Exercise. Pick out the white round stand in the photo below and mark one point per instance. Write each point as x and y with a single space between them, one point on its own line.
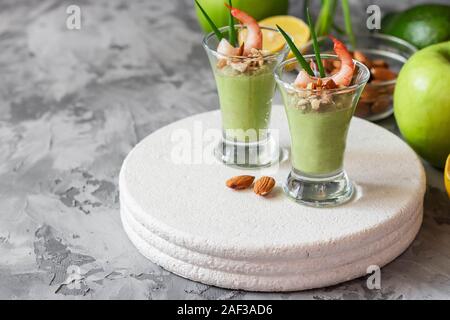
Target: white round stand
178 212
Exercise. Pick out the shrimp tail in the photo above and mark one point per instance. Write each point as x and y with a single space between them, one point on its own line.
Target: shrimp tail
342 78
345 74
254 35
340 49
231 8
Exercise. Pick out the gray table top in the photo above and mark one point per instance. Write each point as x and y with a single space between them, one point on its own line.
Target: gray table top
74 102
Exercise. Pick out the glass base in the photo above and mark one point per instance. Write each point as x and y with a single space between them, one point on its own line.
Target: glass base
263 153
319 191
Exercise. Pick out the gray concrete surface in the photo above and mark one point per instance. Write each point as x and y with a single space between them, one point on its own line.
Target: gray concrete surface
73 103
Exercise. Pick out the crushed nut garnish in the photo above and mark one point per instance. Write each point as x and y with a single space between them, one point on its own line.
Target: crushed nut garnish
221 63
252 62
315 104
239 66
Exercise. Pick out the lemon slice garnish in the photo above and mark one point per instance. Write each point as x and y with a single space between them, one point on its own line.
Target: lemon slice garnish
274 41
294 26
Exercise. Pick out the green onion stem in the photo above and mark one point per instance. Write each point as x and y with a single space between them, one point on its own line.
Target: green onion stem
296 52
232 38
305 5
326 17
348 23
211 23
315 45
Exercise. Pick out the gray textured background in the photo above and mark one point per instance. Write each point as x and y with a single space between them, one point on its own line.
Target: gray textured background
73 104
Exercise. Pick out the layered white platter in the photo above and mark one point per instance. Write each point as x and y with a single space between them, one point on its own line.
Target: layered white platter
177 211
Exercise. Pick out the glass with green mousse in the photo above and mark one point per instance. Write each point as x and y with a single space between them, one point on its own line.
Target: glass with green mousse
246 86
319 119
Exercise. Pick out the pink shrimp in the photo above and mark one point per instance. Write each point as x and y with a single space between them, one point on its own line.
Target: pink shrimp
226 49
254 35
345 74
343 77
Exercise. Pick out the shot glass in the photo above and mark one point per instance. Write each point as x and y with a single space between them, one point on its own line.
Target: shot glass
319 120
246 87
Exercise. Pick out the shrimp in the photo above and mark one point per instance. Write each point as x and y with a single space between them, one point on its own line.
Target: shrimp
254 35
226 49
345 74
343 77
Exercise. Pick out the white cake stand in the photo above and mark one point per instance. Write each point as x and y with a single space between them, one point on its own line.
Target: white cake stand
182 217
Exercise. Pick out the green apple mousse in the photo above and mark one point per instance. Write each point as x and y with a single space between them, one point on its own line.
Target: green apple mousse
245 95
318 128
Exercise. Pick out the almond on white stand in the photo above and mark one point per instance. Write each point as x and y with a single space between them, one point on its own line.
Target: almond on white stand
264 185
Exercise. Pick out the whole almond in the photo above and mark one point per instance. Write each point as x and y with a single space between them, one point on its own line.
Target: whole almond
381 105
264 185
361 57
363 109
380 63
240 182
369 94
383 74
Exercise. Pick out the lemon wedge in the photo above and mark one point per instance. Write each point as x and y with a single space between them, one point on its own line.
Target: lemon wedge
447 175
274 41
294 26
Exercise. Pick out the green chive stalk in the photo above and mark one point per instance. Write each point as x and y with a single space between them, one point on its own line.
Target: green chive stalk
296 52
315 45
348 22
326 17
216 30
305 5
232 37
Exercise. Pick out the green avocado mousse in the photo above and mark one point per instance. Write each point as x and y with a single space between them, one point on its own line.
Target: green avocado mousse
244 74
318 136
245 99
319 109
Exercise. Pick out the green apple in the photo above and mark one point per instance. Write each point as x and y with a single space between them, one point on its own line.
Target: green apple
258 9
422 103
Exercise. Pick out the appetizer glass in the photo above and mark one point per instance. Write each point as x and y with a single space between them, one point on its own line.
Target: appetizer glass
319 120
246 87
